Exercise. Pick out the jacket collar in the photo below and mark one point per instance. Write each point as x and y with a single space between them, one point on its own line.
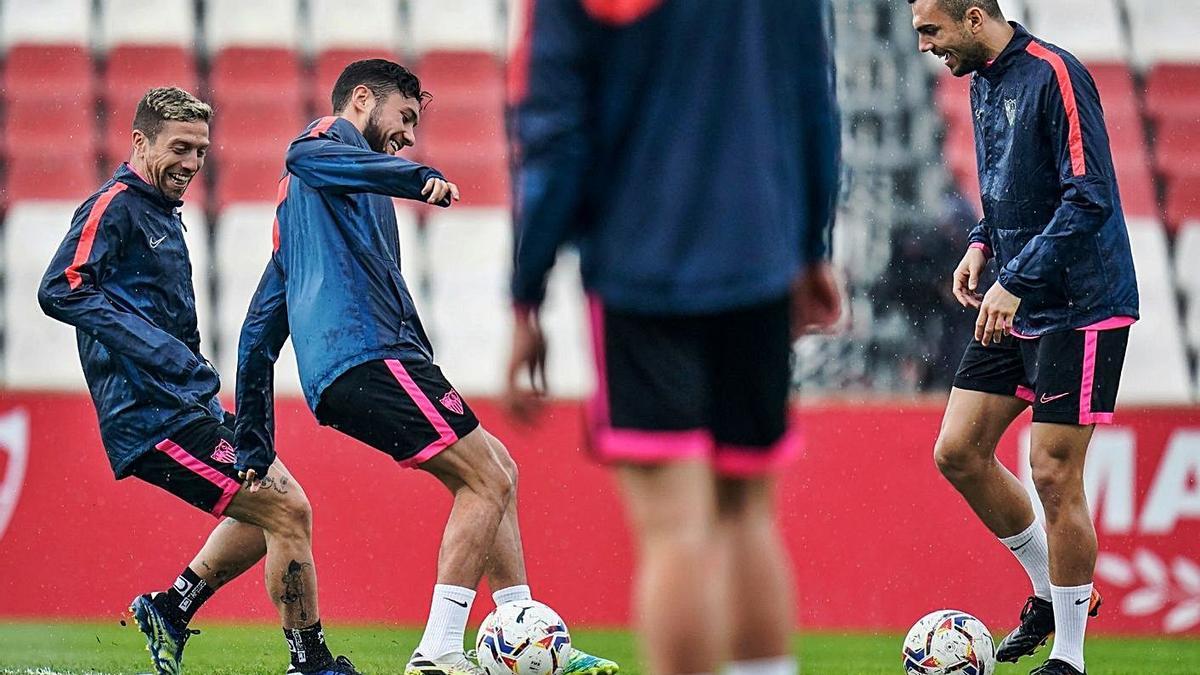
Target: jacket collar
1020 40
126 174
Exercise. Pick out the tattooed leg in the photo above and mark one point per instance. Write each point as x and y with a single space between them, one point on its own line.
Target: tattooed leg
232 548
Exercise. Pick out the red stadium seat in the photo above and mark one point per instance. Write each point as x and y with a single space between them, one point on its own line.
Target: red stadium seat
58 174
463 78
1177 147
255 75
1136 186
480 126
953 97
1173 91
245 129
482 178
247 179
36 127
329 65
1183 200
48 73
131 70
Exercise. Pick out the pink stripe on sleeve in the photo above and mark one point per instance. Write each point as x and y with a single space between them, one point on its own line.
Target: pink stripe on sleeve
229 486
83 250
1074 130
446 435
322 126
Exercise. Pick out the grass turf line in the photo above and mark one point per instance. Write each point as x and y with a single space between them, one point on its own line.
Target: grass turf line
228 649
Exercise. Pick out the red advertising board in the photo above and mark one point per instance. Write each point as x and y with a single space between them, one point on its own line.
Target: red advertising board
877 537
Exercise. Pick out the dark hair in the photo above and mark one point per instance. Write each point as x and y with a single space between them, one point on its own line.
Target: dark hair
382 77
957 9
162 104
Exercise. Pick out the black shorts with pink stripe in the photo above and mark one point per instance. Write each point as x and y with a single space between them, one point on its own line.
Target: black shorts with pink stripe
194 464
713 386
1069 377
404 407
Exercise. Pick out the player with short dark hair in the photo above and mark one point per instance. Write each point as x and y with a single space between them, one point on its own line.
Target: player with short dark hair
690 149
1051 332
123 278
366 366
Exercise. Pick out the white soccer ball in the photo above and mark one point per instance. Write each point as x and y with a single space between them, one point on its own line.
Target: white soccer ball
523 638
948 641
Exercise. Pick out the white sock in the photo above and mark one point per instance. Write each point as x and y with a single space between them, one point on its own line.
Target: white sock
512 594
1071 605
447 621
1033 553
776 665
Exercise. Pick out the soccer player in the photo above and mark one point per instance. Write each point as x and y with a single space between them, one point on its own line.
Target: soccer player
366 365
690 149
1065 290
122 277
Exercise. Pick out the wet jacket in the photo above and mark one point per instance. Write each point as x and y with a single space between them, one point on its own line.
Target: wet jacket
333 283
1051 210
688 147
123 278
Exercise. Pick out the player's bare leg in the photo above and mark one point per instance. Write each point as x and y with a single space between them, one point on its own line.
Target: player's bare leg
232 548
966 455
506 561
673 511
1057 457
758 593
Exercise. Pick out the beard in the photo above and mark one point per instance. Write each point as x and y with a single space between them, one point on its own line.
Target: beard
971 57
374 133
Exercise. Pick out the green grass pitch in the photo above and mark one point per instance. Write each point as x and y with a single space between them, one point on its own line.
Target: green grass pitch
47 648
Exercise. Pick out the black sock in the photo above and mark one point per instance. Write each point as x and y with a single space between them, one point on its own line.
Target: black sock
180 602
307 647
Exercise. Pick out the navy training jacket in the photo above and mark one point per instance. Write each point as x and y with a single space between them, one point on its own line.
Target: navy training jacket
689 147
1051 209
123 278
333 282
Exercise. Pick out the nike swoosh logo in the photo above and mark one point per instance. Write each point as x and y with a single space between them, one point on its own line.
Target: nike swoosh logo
1082 600
1047 399
155 242
1023 545
460 604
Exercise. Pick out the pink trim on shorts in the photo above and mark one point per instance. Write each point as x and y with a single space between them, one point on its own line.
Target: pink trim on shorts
633 445
1111 323
1025 393
446 436
743 461
229 486
1089 378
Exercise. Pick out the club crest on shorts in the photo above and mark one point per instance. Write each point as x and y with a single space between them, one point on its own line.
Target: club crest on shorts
1010 110
224 452
452 402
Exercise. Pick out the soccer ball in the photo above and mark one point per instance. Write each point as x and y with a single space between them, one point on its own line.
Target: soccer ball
523 638
948 641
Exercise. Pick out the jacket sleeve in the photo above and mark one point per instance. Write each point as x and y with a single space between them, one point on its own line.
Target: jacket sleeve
547 124
981 237
333 166
1075 131
71 292
823 155
264 333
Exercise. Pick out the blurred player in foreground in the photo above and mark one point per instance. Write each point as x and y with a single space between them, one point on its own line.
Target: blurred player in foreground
334 285
1066 291
123 278
690 149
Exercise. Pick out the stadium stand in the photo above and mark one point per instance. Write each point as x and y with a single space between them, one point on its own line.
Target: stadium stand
1100 38
1156 364
1163 31
455 25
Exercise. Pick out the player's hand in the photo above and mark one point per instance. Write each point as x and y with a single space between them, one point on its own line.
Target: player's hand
816 300
249 479
439 191
966 278
528 358
996 314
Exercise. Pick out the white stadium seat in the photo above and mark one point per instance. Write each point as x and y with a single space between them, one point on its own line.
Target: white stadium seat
262 23
456 25
196 235
1156 368
414 259
362 24
569 369
40 352
1100 37
148 22
1164 31
1187 256
1015 10
243 248
57 22
469 317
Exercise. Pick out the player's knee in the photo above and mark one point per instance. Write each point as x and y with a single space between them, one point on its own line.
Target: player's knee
956 459
1054 479
292 515
508 465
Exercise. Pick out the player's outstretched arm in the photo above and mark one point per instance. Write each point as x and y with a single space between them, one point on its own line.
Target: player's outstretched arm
330 165
264 333
69 293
